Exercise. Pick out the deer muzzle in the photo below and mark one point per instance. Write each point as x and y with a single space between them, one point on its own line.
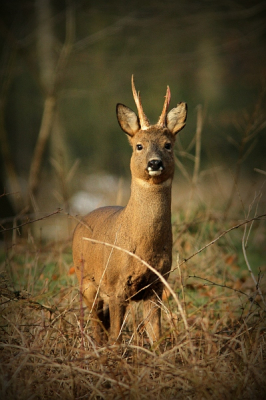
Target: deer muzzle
155 167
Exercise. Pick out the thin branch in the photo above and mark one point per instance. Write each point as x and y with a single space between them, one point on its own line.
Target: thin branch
260 171
249 267
45 129
198 145
211 283
105 32
258 218
58 211
182 169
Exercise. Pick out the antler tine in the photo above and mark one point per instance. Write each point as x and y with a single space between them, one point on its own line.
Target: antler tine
144 122
162 118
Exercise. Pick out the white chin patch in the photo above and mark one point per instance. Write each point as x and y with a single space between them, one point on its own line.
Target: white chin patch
155 173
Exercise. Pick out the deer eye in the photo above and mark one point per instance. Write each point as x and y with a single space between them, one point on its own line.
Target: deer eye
167 146
139 147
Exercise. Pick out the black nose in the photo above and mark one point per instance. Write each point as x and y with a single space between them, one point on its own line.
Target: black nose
155 165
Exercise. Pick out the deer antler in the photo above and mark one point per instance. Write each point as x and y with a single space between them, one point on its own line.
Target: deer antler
144 122
161 122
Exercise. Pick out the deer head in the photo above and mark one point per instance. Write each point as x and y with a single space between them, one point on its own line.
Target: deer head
152 159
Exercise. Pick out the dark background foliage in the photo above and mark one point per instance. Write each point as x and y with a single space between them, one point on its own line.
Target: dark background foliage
209 52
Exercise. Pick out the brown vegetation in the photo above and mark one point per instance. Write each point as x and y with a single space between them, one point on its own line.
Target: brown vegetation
46 345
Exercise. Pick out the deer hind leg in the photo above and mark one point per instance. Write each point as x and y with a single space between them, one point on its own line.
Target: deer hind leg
103 316
152 318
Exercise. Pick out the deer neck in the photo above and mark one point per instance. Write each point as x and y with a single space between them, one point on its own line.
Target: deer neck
149 207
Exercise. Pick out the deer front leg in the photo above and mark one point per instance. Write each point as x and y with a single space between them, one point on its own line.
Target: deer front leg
95 306
117 312
152 318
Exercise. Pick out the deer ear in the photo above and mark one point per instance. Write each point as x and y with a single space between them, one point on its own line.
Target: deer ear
176 118
127 119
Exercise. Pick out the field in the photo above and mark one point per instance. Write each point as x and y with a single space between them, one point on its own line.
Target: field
213 344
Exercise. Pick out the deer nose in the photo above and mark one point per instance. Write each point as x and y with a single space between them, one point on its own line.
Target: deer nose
155 165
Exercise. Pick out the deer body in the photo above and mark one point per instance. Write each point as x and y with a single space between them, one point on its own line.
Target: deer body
143 228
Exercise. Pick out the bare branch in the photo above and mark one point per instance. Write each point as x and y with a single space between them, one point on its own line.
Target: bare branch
258 218
211 283
198 145
58 211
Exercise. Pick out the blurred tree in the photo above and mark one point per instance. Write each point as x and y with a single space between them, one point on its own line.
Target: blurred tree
50 74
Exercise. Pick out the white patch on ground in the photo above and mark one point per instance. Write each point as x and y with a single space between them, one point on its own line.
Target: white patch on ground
83 202
98 190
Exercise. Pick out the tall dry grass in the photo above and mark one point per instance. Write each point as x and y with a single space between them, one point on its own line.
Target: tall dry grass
47 350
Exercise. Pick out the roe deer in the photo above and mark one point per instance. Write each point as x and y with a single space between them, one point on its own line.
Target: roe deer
143 227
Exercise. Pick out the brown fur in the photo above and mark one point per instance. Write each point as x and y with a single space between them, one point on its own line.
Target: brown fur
143 227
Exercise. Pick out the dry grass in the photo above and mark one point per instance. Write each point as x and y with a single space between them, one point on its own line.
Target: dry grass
47 351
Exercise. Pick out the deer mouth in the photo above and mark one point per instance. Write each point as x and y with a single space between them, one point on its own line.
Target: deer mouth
155 173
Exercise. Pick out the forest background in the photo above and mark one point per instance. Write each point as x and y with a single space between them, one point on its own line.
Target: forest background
65 65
